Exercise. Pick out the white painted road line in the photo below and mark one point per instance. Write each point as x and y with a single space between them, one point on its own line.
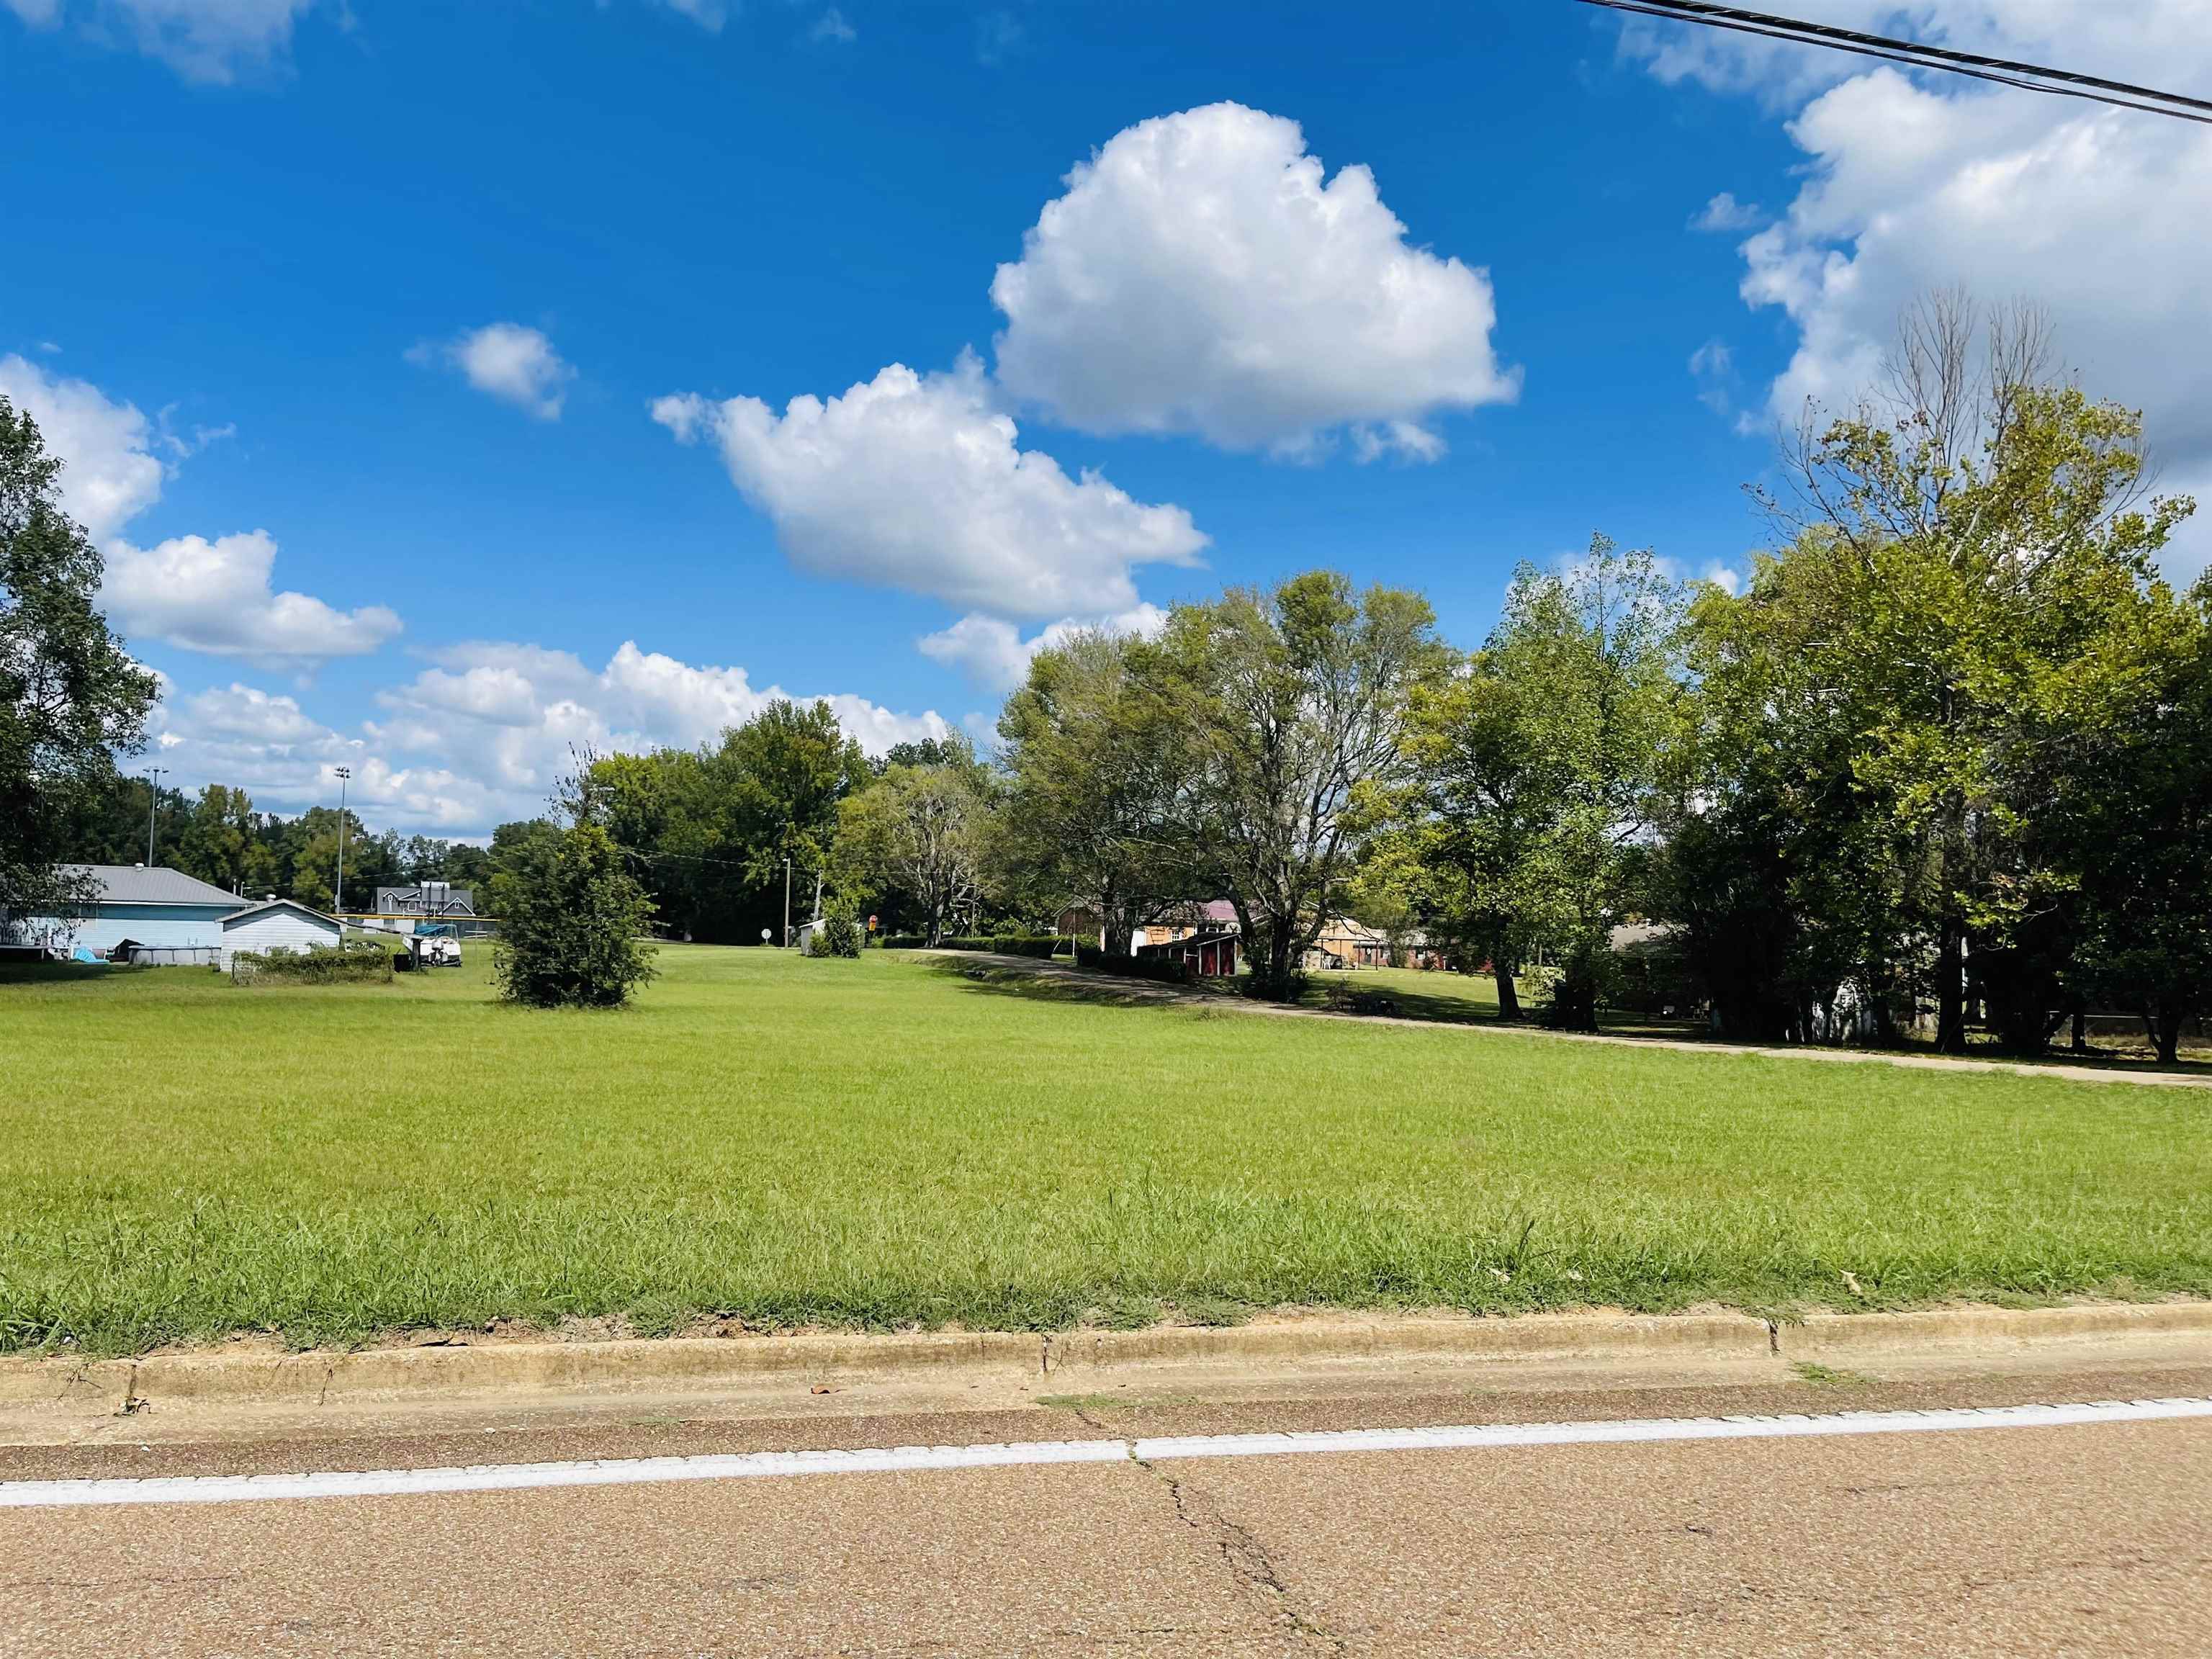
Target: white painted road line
637 1471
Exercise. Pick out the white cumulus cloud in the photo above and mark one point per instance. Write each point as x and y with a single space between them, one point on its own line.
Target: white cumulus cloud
1202 274
216 597
991 651
1916 183
213 596
478 737
506 360
109 471
1724 214
510 717
202 39
916 482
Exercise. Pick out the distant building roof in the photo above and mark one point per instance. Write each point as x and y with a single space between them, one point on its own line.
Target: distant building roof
279 904
134 884
425 902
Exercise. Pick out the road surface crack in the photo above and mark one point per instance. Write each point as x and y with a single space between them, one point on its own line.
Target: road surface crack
1243 1554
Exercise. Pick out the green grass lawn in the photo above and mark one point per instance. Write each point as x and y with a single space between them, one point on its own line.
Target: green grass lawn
889 1142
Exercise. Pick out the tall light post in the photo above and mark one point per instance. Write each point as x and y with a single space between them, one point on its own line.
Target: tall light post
338 901
153 799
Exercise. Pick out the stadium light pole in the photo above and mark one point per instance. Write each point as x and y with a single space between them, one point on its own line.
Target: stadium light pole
153 798
338 901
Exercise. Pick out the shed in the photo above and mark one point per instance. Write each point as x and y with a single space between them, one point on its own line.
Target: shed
277 925
176 917
1208 955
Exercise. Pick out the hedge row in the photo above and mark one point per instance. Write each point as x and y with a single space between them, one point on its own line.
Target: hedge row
356 960
1168 971
1004 945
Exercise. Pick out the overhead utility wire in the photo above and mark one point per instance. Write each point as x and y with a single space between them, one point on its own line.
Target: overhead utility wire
2003 72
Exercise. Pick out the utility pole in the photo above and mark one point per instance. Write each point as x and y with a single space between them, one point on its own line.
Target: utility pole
153 799
787 902
338 902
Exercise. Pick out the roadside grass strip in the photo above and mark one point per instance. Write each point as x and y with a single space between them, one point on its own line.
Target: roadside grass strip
767 1144
755 1466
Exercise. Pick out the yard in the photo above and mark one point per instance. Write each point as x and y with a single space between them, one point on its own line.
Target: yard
890 1142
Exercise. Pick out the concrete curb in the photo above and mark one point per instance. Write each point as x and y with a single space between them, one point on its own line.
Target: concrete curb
457 1372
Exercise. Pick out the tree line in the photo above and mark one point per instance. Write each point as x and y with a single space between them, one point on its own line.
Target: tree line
1943 760
216 834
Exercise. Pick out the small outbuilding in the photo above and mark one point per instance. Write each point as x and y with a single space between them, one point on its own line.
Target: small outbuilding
276 924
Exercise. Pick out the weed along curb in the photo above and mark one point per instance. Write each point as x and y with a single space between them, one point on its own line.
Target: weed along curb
454 1371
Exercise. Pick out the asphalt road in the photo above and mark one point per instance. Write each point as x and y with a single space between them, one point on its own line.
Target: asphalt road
2093 1538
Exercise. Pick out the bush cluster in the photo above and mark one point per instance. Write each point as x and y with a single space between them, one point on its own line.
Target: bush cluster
351 961
572 924
1168 971
839 935
1004 945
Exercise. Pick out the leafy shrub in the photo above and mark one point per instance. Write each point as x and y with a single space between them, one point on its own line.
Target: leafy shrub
839 935
1165 969
1007 945
904 942
349 962
571 932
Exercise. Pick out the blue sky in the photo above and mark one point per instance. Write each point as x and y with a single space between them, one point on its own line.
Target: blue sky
429 294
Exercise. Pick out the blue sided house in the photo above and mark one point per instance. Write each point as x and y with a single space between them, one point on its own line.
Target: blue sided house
169 915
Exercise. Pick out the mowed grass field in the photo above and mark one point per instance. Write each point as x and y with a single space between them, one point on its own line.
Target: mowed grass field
890 1143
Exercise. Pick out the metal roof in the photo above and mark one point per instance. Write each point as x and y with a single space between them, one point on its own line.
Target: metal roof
280 905
134 884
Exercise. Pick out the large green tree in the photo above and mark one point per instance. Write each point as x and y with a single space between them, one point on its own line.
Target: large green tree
70 696
1537 769
2144 819
1099 772
920 831
1961 610
1295 700
218 837
709 831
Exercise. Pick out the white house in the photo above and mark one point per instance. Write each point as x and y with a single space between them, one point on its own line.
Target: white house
175 917
276 925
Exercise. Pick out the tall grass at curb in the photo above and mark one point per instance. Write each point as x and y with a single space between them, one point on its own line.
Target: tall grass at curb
891 1143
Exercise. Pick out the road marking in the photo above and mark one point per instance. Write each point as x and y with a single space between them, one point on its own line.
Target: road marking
754 1466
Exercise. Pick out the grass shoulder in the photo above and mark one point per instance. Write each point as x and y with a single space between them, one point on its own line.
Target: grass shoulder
782 1142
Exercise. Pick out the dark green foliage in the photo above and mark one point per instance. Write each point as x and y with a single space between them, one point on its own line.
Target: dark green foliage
70 696
354 962
219 836
1296 700
1167 971
1041 945
708 830
572 923
904 942
840 934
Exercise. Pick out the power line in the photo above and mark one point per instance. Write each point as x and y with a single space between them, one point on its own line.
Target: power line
2003 72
